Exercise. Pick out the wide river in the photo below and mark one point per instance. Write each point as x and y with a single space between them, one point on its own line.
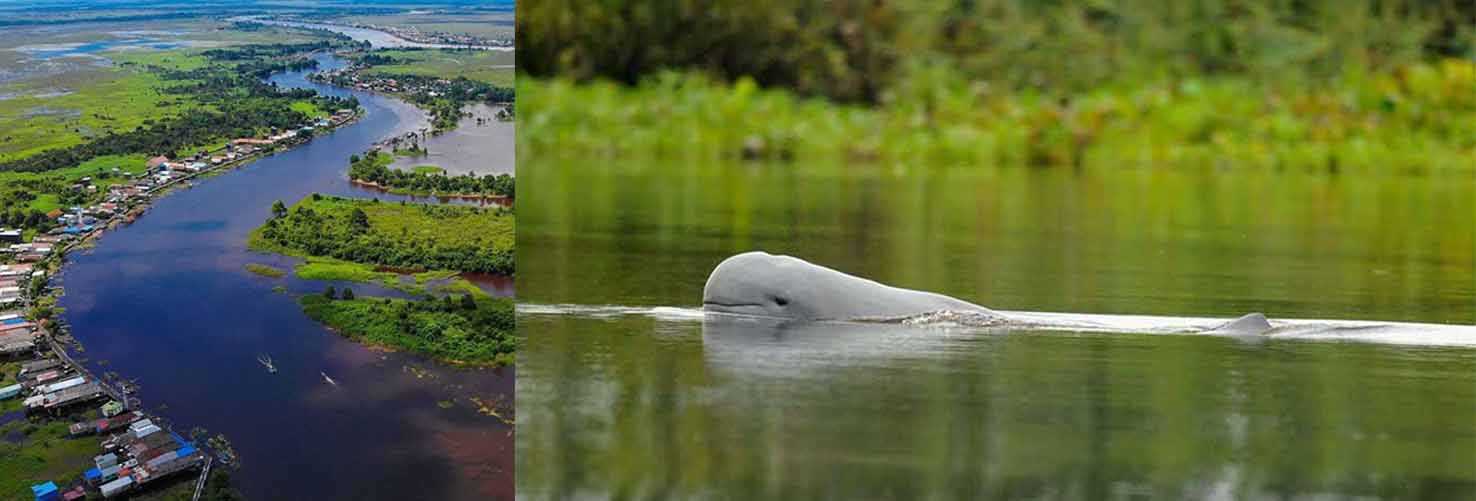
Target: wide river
626 390
166 302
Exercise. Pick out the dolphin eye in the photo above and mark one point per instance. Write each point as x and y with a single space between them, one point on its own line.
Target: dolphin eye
780 301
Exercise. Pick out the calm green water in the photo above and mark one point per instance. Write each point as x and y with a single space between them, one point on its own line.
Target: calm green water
665 404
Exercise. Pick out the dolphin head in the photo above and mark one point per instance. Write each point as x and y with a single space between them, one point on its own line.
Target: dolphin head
763 284
768 285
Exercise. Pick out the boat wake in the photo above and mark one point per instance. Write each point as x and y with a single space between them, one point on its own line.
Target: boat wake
1398 333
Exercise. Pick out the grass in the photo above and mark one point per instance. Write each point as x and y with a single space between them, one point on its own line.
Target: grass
101 100
490 66
420 234
45 453
265 270
317 268
309 109
460 285
427 169
1421 116
449 334
100 169
426 276
490 25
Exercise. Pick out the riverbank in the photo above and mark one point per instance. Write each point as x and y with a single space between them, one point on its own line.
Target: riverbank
374 169
502 200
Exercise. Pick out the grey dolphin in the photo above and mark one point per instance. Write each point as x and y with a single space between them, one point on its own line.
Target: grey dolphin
1249 324
763 284
768 285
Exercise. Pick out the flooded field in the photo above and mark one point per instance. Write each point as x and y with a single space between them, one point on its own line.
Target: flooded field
480 144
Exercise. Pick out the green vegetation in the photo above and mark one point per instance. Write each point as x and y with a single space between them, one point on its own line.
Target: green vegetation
1314 85
414 150
491 25
487 66
332 269
26 197
468 329
373 167
410 236
265 270
440 89
240 104
175 103
43 452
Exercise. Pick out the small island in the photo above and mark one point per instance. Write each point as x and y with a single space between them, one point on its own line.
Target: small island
447 318
372 169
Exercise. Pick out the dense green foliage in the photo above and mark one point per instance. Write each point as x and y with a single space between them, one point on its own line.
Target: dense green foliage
373 168
400 235
473 330
1309 85
1421 117
862 49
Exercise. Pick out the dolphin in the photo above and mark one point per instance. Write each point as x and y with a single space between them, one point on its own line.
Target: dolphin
767 285
785 287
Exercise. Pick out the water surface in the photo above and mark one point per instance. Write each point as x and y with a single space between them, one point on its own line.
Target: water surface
480 144
649 399
167 301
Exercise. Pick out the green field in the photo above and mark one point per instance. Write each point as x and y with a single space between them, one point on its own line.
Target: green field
101 101
489 25
469 329
38 191
58 109
490 66
43 453
400 235
62 120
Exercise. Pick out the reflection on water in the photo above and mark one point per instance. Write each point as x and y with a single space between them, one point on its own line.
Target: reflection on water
659 405
480 144
636 407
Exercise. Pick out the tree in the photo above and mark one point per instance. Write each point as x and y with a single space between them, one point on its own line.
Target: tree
467 303
347 293
330 292
358 220
279 209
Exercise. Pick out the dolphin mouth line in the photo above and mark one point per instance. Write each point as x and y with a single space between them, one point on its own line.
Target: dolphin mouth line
730 305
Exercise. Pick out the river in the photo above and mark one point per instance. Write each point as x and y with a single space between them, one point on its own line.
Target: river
627 390
376 38
166 301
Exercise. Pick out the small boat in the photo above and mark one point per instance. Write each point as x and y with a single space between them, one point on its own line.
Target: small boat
266 361
328 379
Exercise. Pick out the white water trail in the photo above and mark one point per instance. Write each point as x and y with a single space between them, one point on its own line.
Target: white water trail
1367 331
